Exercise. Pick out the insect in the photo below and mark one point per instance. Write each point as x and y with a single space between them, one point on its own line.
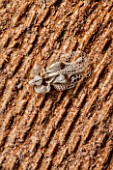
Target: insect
61 75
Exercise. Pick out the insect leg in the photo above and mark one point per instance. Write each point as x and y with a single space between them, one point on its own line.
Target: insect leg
43 89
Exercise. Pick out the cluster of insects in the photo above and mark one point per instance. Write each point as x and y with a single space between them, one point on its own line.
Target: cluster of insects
61 75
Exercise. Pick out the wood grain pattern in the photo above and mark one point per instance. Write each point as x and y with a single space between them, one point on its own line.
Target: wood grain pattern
60 130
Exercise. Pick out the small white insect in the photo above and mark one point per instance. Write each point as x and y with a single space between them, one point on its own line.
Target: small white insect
61 75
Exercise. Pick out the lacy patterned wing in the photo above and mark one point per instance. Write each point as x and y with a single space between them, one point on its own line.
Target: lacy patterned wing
62 87
71 83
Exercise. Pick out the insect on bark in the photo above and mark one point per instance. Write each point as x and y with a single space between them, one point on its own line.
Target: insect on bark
61 75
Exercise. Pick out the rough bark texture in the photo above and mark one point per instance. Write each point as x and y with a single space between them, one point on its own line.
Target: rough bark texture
71 129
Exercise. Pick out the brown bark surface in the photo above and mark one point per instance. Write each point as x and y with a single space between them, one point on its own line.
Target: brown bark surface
71 129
